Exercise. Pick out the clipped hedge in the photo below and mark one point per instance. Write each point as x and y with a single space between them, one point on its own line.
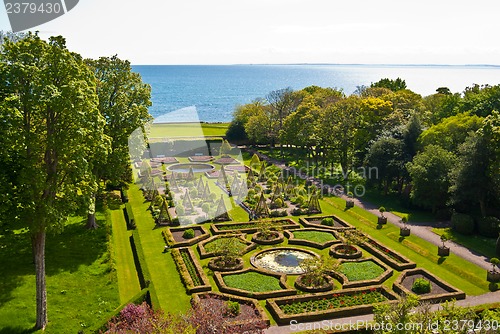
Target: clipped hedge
200 282
488 226
129 216
124 195
462 223
140 260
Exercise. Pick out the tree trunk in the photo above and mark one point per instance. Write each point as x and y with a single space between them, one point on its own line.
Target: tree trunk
91 223
41 289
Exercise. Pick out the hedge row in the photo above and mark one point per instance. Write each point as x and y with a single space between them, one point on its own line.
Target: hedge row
316 222
388 256
283 319
450 294
188 281
129 216
251 227
170 241
142 268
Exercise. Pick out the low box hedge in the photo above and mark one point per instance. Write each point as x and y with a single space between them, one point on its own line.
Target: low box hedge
388 256
200 283
292 240
316 222
251 227
170 241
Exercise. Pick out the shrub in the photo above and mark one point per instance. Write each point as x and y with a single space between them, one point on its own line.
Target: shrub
279 202
180 210
232 308
421 285
299 212
278 213
175 221
188 234
327 221
488 226
462 223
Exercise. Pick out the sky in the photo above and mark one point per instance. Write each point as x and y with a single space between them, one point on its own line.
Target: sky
282 31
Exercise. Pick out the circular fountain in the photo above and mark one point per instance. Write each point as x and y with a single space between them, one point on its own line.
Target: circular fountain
185 167
282 260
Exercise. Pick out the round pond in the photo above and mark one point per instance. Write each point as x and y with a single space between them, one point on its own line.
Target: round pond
282 260
197 167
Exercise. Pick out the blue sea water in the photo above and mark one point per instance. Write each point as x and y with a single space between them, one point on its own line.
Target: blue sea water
215 90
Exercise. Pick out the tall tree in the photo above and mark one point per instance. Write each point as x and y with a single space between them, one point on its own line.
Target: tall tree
123 101
394 85
48 96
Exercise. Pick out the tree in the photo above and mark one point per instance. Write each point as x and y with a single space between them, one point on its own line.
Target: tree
393 85
48 95
429 172
123 101
237 128
481 100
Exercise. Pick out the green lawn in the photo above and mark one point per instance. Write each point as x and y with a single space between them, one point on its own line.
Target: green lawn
188 129
458 272
252 281
128 282
314 236
359 271
477 243
169 288
81 279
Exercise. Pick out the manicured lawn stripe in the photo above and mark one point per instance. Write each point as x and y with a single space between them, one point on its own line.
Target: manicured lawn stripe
128 282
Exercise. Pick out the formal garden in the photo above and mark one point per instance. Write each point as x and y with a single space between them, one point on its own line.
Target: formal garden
277 245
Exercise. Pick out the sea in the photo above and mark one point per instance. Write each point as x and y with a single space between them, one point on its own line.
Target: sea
210 93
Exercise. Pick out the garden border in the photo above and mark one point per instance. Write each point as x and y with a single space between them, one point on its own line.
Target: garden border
453 293
406 263
286 290
347 284
215 228
306 223
204 254
292 240
284 319
170 241
184 272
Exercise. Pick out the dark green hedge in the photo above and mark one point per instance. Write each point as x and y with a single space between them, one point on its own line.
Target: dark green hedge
488 226
462 223
140 260
129 216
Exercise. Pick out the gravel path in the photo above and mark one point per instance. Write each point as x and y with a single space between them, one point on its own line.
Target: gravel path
422 230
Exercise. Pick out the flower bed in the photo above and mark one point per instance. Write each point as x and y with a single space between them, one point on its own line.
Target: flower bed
174 236
302 283
319 306
205 248
201 158
343 251
315 221
192 274
252 316
440 290
251 227
390 257
362 272
312 237
215 265
253 283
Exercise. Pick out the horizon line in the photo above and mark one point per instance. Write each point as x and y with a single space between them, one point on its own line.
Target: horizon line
330 64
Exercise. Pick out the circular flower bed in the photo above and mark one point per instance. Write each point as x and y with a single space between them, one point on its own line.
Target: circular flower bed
221 264
274 237
344 251
310 284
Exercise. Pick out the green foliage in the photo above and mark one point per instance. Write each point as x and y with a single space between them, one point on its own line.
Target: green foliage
232 308
327 221
253 281
129 216
179 209
361 271
488 226
495 262
462 223
429 171
394 85
188 234
421 286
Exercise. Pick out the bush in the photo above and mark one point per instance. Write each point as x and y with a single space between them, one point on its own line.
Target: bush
298 212
180 210
327 221
421 285
462 223
232 308
188 234
278 213
175 221
488 226
129 216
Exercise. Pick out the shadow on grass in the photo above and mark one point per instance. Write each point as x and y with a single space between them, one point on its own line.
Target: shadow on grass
16 330
401 239
442 259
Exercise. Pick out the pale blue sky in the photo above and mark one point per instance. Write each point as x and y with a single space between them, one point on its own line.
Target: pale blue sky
282 31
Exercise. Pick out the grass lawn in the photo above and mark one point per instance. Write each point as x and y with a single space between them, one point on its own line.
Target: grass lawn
214 245
359 271
128 282
314 236
81 279
253 281
169 288
188 129
477 243
456 271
